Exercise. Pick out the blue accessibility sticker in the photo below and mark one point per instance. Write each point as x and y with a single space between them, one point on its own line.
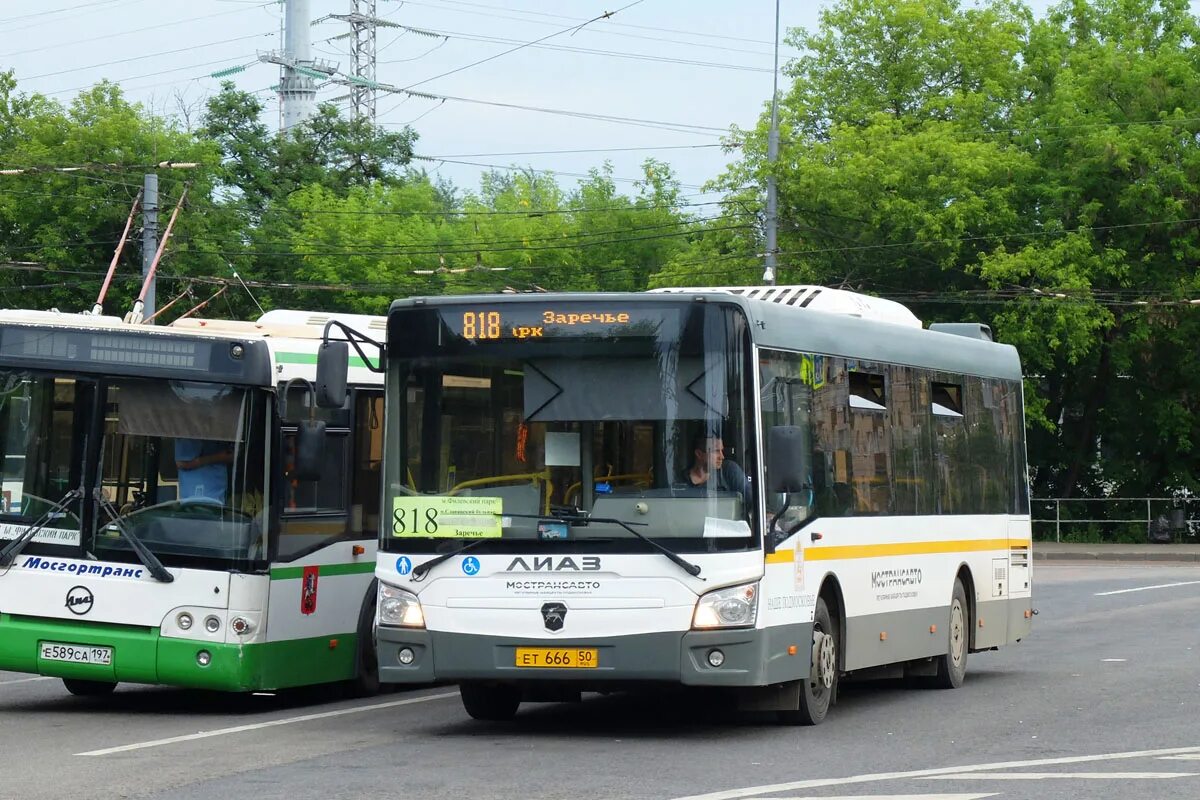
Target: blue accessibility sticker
403 565
470 565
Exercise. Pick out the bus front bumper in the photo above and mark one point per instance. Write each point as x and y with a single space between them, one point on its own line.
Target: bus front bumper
139 654
748 657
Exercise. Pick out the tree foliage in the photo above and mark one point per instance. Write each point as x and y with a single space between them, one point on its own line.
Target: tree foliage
1040 175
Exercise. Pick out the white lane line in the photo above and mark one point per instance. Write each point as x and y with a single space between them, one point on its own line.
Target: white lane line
1188 757
125 748
895 797
28 680
1147 588
817 783
1041 776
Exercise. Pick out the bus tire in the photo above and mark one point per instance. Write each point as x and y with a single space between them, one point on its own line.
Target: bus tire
818 690
82 688
490 701
365 682
952 666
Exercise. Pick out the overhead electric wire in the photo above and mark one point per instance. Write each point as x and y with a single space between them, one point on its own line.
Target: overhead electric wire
451 250
148 55
613 24
128 32
676 127
581 150
514 168
456 70
596 31
475 37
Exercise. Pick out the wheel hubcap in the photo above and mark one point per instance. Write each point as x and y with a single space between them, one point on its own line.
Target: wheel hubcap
824 659
956 632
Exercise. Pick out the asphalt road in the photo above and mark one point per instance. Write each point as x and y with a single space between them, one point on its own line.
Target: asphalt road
1101 702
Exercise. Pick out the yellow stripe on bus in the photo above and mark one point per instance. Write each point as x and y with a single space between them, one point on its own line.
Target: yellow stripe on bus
836 553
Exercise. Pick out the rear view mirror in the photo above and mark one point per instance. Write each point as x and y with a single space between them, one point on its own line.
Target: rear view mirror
309 452
787 455
333 363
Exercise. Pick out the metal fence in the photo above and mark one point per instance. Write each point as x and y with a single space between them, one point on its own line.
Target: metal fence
1116 519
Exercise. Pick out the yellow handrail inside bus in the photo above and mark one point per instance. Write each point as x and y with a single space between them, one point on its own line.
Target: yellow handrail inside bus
532 477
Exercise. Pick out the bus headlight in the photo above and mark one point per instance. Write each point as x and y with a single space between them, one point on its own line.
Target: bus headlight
398 607
731 607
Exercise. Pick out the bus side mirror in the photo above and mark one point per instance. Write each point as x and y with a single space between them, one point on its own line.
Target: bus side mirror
310 451
333 362
786 458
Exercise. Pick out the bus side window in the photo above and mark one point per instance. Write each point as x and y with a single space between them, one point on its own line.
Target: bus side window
314 512
368 464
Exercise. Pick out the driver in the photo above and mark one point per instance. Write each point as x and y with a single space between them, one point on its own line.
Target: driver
203 469
711 469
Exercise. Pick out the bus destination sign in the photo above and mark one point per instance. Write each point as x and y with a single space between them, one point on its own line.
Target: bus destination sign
539 322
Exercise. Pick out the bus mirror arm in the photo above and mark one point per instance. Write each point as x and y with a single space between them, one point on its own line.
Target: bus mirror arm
354 337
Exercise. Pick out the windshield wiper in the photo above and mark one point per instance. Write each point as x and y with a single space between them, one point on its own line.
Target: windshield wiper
683 563
421 570
14 548
143 553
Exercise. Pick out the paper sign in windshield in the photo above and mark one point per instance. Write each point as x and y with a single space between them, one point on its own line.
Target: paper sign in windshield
447 517
46 535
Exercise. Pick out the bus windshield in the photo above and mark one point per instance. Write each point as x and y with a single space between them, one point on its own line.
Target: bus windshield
575 431
182 466
40 447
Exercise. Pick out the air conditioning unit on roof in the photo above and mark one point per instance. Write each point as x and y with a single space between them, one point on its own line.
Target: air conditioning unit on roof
817 298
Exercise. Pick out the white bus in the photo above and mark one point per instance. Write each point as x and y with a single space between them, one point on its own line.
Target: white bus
762 489
177 511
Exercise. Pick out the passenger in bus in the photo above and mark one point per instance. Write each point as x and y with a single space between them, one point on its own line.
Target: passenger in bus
203 469
711 469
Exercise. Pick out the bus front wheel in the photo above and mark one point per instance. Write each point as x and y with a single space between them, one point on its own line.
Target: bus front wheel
491 702
818 690
952 667
82 688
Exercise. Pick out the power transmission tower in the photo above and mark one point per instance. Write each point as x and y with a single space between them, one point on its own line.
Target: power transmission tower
363 86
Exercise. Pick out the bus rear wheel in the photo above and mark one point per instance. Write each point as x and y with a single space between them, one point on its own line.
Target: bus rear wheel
82 688
818 690
489 701
952 667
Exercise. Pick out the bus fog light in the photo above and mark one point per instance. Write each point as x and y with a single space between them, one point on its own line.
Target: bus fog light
184 621
212 624
406 656
204 658
715 658
731 607
241 626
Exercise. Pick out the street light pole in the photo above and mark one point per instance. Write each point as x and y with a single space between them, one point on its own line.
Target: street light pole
772 221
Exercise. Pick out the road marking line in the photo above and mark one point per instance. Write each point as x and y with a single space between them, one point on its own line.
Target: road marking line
1114 660
895 797
1041 776
1147 588
28 680
816 783
1188 757
271 724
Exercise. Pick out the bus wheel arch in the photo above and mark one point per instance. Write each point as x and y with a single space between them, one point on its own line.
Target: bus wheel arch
968 582
365 681
818 691
952 665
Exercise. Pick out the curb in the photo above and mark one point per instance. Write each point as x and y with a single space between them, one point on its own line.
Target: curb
1093 555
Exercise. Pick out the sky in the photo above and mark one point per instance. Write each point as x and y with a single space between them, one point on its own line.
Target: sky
681 72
